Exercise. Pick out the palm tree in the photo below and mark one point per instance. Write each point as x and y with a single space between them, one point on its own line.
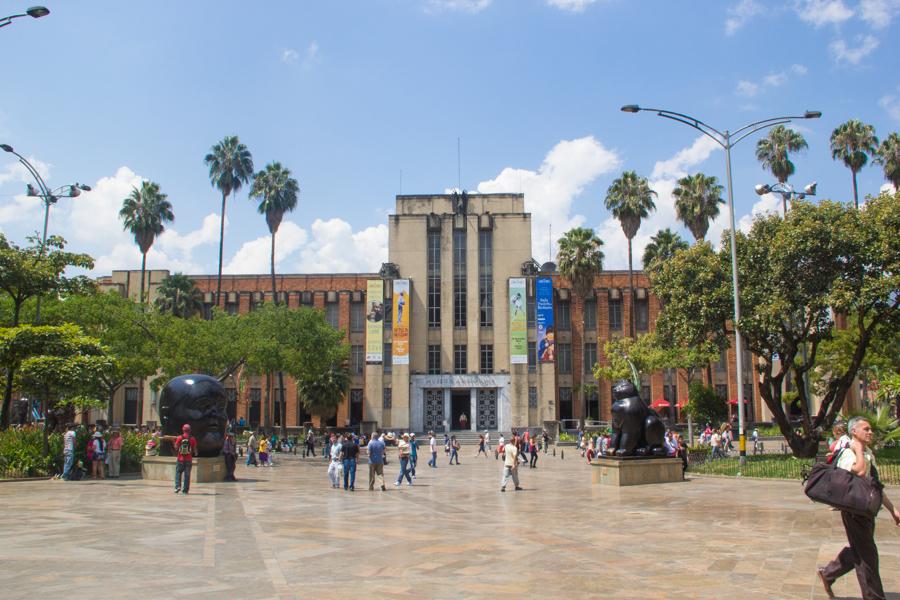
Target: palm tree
580 260
178 295
278 193
697 200
889 158
772 152
630 200
145 213
662 247
854 142
230 166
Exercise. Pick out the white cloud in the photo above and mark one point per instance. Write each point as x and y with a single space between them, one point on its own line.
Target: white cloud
335 248
879 13
566 170
678 166
16 171
823 12
253 256
470 6
891 104
570 5
746 88
740 13
772 80
290 56
25 209
768 204
841 52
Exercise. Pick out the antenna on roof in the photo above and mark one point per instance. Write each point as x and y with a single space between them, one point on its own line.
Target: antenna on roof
458 166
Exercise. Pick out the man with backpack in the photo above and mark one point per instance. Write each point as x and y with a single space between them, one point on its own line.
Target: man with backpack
185 450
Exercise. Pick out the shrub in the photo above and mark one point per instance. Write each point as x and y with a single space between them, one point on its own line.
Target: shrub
21 453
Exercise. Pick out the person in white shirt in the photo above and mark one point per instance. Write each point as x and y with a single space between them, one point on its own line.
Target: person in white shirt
68 451
510 465
487 439
716 442
432 445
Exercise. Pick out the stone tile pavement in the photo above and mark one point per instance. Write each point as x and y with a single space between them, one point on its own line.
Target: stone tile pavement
284 533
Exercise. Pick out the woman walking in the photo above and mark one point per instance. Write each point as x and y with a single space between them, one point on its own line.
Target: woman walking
481 447
454 449
404 451
532 448
114 458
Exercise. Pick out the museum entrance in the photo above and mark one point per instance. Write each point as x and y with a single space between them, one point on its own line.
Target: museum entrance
460 410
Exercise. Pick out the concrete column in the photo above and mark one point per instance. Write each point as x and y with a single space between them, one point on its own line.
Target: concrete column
473 408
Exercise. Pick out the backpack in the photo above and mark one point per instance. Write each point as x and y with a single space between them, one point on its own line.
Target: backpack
184 448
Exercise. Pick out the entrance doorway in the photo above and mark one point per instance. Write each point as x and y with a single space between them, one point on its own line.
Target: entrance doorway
460 410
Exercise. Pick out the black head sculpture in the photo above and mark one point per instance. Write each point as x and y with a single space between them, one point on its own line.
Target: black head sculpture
199 401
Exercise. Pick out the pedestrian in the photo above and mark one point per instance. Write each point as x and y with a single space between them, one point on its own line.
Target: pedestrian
413 454
335 468
510 465
403 448
114 454
263 451
252 447
487 440
532 448
454 450
97 453
481 448
715 442
432 445
349 456
310 444
861 553
229 452
376 450
545 440
463 421
68 451
446 445
185 451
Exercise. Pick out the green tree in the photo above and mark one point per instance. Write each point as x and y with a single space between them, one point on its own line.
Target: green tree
850 265
889 158
178 296
704 405
630 200
773 152
662 247
277 192
145 213
853 143
697 200
580 261
230 166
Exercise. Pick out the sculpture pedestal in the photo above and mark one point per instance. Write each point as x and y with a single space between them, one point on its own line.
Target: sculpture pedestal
204 470
609 470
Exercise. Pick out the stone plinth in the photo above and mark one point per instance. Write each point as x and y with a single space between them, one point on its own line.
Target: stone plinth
609 470
162 468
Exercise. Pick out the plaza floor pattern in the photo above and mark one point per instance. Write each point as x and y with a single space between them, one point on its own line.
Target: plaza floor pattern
284 533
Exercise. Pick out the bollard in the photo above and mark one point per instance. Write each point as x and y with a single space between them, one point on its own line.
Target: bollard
562 455
554 450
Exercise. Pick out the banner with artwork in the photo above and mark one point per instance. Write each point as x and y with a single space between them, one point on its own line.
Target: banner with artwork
374 320
546 335
518 323
400 347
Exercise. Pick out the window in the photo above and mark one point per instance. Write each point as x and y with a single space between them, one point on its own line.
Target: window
564 358
590 358
532 357
722 363
564 315
460 365
434 360
565 403
131 406
357 360
277 397
386 395
487 359
615 314
255 402
387 360
434 278
532 397
357 316
459 277
231 403
645 388
485 278
231 308
722 391
746 360
590 315
332 314
642 315
356 407
592 399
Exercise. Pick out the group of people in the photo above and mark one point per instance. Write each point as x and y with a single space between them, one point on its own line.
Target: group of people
344 451
720 440
103 456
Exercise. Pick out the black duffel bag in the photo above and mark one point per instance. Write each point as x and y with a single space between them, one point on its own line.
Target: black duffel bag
828 484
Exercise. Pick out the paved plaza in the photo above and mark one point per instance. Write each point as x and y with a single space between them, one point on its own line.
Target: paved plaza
284 533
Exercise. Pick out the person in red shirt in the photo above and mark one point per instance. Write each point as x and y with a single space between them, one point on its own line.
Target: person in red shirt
185 450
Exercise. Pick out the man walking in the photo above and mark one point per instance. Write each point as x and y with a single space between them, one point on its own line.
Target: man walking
376 451
228 451
862 553
310 444
185 450
510 464
432 445
349 456
68 451
413 454
403 448
334 466
251 450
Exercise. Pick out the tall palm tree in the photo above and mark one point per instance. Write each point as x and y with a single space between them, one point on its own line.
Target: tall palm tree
580 260
277 192
145 213
772 152
697 200
853 143
630 200
889 158
178 295
662 247
230 166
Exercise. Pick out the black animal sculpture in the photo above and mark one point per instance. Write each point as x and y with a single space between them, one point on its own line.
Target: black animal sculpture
199 401
637 428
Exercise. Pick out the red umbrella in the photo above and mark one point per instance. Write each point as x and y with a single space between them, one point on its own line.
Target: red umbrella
734 402
660 403
682 404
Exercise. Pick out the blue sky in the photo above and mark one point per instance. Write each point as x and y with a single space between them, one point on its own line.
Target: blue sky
350 94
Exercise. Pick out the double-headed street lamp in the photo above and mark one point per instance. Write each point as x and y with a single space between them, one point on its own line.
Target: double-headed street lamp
786 191
35 12
727 140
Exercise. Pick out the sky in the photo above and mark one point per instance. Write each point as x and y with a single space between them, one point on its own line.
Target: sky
364 100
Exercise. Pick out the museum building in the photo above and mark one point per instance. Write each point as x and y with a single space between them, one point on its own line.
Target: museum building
461 320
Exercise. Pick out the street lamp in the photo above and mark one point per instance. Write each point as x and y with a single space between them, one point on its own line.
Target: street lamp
727 140
35 12
786 191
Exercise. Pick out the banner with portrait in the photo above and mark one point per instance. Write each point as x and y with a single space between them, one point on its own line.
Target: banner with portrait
374 320
518 322
546 334
400 347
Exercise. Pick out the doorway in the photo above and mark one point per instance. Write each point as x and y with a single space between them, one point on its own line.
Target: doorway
460 410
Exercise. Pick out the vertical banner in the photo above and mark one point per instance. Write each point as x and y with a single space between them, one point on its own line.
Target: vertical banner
374 320
400 347
518 324
546 336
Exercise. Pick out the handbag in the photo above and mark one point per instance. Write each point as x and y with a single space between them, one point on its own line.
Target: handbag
846 491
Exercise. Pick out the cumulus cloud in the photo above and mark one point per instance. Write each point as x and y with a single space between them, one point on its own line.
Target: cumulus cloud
823 12
570 5
772 80
23 209
470 6
678 166
891 103
879 13
290 56
566 170
853 54
253 256
740 13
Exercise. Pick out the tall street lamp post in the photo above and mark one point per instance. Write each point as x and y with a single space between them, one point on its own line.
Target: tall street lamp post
49 197
35 12
727 140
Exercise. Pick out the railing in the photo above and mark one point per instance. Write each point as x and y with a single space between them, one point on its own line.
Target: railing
772 466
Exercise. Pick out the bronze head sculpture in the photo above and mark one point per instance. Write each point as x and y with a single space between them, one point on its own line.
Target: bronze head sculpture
198 401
